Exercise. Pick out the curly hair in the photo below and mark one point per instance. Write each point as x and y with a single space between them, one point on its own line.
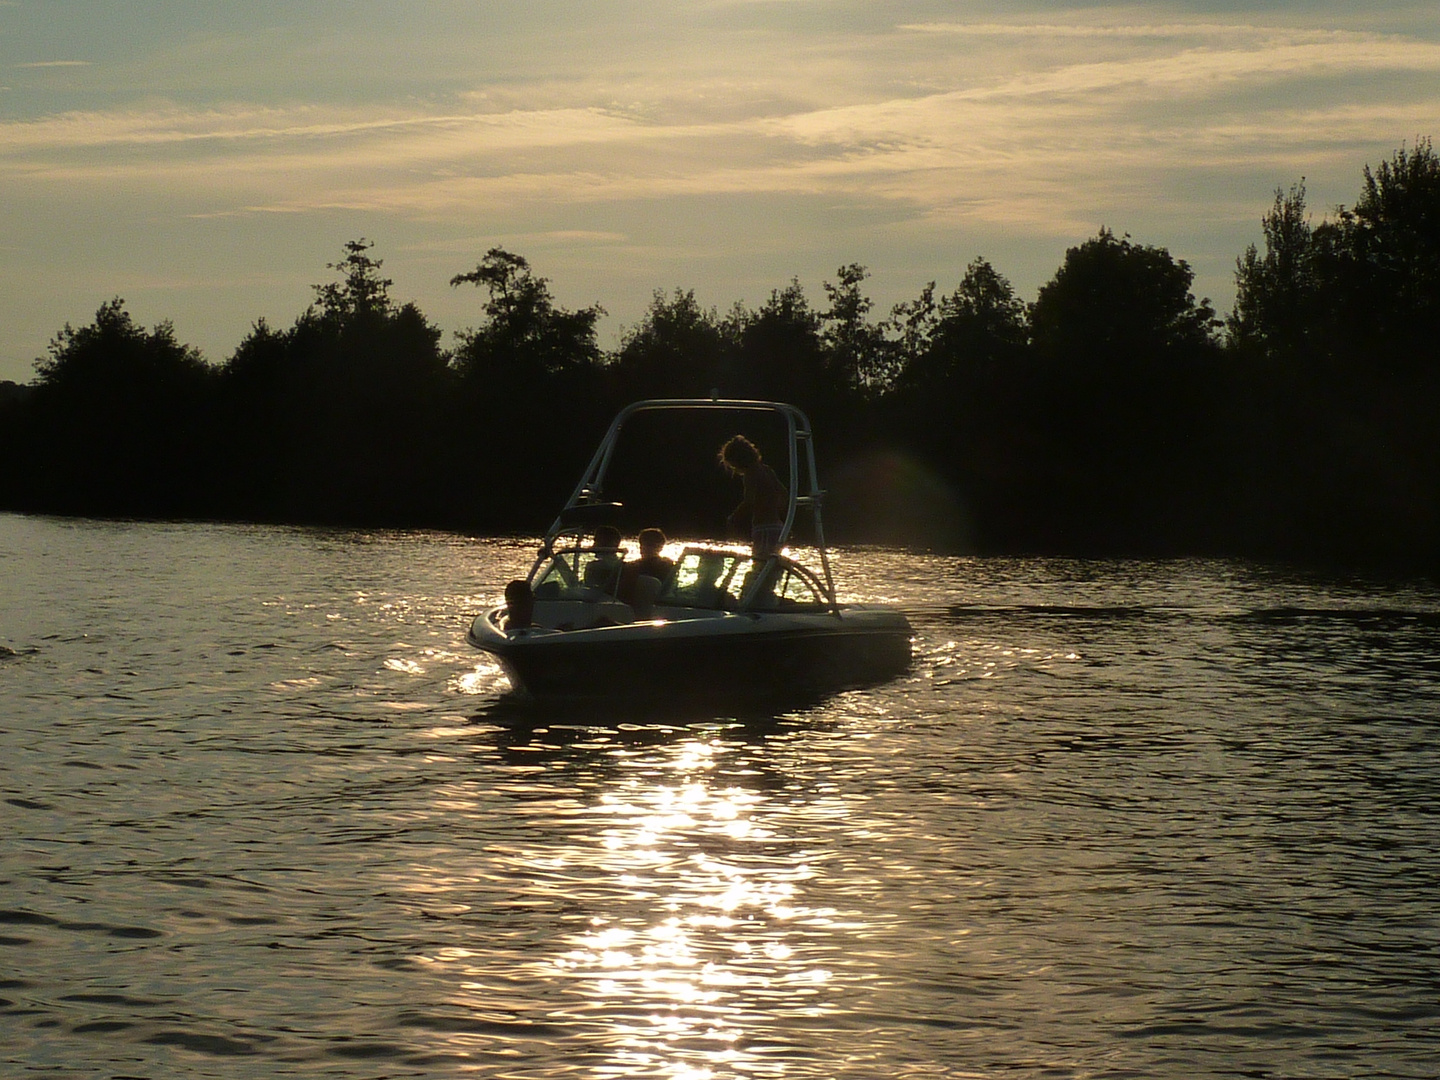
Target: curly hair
739 454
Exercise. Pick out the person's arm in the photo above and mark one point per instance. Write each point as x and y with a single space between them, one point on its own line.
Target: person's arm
747 501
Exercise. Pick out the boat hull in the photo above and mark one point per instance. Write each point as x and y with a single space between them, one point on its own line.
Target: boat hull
739 656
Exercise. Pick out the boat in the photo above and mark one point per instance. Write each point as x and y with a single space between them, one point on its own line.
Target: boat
722 624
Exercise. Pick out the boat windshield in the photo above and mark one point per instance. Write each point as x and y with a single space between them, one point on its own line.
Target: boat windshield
579 574
796 587
709 579
705 578
719 579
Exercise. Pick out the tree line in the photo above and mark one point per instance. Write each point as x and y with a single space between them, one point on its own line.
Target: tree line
1115 414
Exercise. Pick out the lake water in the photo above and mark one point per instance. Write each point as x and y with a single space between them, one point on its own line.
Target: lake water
265 814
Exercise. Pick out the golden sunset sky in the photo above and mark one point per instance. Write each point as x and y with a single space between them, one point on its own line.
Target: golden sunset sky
205 160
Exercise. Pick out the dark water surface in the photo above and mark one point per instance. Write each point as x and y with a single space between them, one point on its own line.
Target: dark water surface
265 814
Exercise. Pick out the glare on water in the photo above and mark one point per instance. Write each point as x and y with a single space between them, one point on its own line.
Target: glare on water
266 814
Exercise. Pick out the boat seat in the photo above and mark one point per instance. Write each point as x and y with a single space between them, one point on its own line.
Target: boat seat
581 614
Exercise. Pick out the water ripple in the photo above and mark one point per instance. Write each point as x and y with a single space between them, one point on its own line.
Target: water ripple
266 815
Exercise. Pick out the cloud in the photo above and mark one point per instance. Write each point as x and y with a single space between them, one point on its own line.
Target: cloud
1097 95
937 133
1076 30
1230 63
300 127
54 64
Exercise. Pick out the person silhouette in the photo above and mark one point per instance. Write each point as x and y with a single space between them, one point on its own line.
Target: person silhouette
603 570
650 564
765 497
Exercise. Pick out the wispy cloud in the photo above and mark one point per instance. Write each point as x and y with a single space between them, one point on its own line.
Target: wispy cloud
54 64
1078 30
297 127
1042 146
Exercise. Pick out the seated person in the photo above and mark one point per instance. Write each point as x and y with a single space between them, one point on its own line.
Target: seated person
519 604
650 564
603 570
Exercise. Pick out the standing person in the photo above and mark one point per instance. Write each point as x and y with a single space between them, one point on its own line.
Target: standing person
765 500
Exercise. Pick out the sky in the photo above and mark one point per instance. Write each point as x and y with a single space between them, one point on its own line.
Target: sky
206 160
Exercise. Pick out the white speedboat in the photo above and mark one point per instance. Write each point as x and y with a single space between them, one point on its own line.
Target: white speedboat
722 625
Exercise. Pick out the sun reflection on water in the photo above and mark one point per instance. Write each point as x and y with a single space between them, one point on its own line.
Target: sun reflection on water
701 934
486 676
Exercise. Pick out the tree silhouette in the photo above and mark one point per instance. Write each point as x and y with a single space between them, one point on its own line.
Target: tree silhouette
964 400
1113 298
1359 293
677 350
779 352
1123 349
525 339
1275 293
121 420
360 292
335 419
981 322
862 359
530 393
1336 389
1391 249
